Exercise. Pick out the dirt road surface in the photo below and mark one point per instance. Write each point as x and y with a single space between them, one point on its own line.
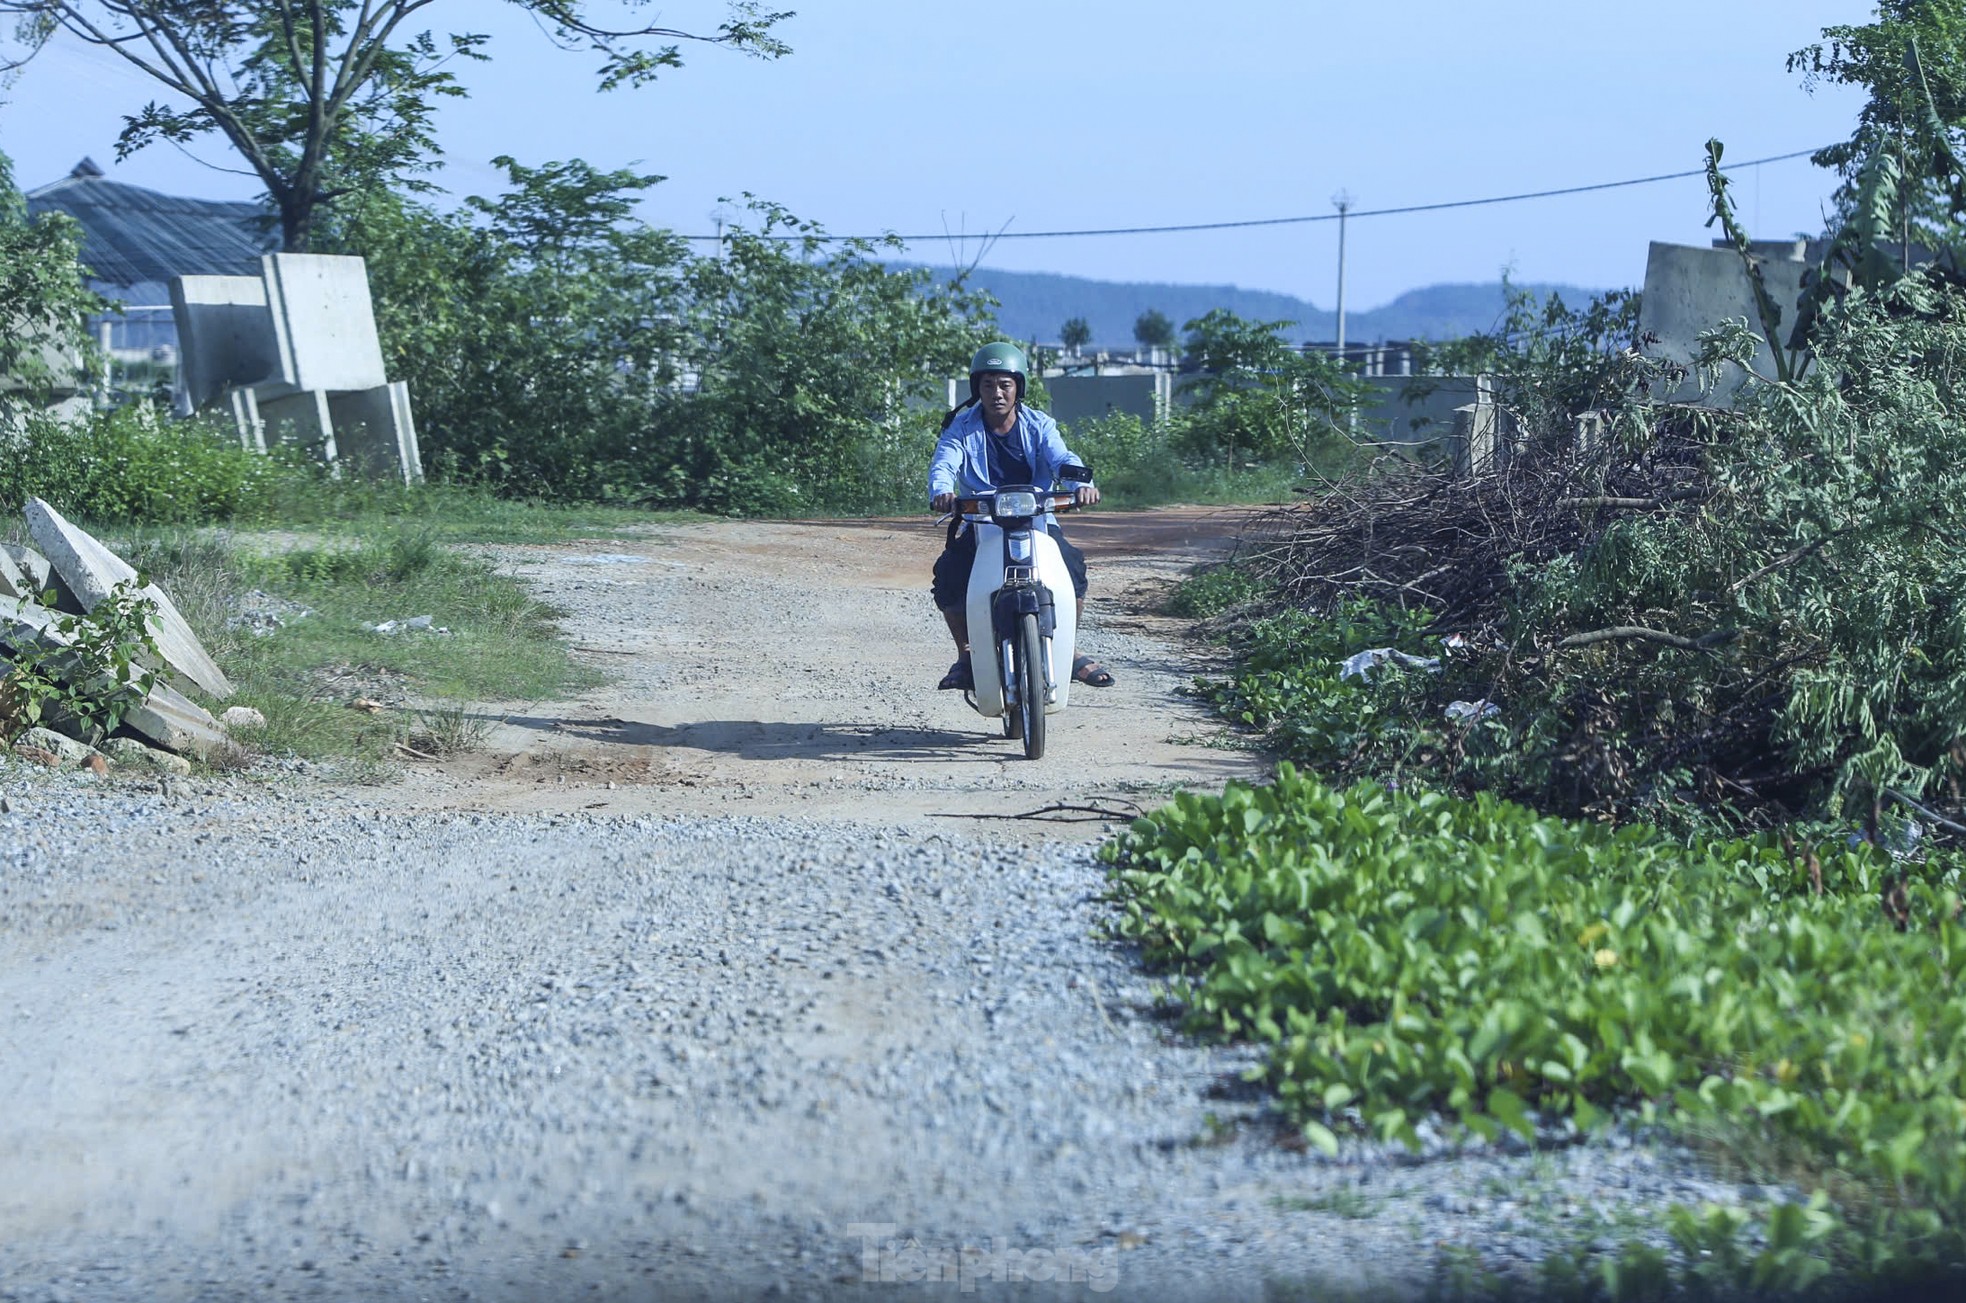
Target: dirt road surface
769 668
715 983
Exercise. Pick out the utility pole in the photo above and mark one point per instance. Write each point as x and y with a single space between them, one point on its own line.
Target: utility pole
1343 202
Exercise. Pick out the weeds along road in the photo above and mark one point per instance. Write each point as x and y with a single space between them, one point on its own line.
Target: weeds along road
758 1022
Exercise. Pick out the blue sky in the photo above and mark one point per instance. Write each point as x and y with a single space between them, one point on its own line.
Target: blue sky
924 115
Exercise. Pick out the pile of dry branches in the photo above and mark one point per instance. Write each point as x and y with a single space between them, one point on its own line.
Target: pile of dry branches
1419 536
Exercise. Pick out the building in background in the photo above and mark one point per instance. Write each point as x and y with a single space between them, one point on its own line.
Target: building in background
135 240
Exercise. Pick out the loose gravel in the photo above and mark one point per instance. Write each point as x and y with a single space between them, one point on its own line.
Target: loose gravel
263 1040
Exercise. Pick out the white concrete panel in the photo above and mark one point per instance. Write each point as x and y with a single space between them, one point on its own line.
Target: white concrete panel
91 571
173 721
324 321
225 336
375 432
14 581
304 420
1689 289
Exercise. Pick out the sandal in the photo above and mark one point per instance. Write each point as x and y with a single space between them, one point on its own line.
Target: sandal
958 679
1091 673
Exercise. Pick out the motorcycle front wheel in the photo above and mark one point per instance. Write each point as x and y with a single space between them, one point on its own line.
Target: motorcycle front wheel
1030 685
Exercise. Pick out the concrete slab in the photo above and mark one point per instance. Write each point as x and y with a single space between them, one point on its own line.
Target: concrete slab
13 580
303 420
91 571
31 563
375 432
65 599
25 624
1689 289
176 723
225 336
324 321
167 718
128 753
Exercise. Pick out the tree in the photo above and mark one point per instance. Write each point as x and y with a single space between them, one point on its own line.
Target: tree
817 369
1075 334
1153 330
1912 61
537 329
1256 393
323 98
43 302
558 347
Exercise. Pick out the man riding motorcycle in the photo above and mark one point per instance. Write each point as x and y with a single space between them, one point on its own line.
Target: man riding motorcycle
992 440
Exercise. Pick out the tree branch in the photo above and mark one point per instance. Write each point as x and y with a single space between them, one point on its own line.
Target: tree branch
1638 633
1787 558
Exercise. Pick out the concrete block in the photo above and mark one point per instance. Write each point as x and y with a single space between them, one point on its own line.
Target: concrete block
375 433
324 321
1479 443
1689 289
304 420
226 337
25 624
31 564
91 571
176 723
14 581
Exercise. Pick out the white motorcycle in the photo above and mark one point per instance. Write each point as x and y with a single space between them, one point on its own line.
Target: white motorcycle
1021 593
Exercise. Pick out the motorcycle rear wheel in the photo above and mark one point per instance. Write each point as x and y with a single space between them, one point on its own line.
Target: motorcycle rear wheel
1030 684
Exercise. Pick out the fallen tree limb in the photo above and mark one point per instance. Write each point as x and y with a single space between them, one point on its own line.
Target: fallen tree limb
1638 633
1635 504
1044 813
1931 814
1787 558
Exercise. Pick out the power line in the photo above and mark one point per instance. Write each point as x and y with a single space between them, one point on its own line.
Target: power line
1314 217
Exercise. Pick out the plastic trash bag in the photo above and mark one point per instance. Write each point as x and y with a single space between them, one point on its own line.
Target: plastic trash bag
1361 665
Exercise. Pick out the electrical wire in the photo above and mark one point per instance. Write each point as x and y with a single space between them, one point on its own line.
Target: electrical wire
1296 221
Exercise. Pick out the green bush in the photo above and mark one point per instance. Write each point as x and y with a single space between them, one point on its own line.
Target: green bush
131 464
559 349
1139 464
1410 954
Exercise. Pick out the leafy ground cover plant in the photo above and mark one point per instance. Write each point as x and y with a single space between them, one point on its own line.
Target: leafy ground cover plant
1411 955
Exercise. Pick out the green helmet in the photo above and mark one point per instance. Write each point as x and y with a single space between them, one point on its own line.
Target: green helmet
1000 356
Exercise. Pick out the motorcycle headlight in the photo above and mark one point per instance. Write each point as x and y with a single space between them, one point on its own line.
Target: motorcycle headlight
1012 506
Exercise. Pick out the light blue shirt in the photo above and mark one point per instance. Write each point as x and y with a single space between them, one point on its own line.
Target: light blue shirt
961 464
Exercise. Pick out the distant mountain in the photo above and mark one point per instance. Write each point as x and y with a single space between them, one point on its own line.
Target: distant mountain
1036 304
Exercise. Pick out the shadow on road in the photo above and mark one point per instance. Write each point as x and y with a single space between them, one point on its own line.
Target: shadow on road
761 740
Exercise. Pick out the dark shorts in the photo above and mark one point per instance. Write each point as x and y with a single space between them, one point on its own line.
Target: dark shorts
950 584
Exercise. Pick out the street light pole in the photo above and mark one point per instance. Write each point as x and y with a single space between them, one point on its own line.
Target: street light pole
1343 202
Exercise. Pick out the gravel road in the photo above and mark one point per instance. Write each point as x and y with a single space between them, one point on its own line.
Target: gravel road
275 1038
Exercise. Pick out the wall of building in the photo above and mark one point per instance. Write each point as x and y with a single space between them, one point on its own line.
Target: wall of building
1145 394
1416 409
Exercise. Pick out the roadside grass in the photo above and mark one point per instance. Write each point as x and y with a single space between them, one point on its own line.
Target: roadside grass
502 643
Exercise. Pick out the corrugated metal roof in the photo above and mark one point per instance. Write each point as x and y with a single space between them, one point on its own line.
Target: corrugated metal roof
131 235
